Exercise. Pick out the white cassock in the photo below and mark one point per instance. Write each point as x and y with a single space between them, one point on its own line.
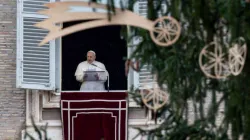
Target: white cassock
83 68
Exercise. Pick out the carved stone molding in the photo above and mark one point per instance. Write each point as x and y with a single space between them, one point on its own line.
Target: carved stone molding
33 106
51 100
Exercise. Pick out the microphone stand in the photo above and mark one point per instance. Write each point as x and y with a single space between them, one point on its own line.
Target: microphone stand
106 72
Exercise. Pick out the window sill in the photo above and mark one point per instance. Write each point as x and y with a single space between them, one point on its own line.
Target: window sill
52 100
131 122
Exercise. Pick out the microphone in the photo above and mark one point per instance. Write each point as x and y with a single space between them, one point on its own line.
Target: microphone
94 65
100 68
105 71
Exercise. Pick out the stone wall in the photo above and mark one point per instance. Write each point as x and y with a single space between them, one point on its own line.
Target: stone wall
12 100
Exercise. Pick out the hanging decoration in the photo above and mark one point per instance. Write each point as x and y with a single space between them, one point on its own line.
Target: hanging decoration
154 97
213 61
165 31
218 63
237 56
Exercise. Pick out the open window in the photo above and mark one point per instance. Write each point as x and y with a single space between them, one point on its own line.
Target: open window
52 66
110 48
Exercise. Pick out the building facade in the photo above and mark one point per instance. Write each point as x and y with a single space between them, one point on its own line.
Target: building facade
30 76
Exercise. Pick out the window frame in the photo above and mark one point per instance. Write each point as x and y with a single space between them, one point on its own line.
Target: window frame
20 83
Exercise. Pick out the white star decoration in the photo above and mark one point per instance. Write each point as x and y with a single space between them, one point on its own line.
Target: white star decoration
237 57
166 31
154 98
215 64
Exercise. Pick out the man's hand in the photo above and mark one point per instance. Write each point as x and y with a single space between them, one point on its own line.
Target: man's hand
97 76
85 76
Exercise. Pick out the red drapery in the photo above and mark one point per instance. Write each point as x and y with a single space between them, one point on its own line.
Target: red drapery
94 115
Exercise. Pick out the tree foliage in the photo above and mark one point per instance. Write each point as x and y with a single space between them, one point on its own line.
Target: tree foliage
177 66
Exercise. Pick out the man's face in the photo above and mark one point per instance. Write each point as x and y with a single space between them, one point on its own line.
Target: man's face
90 57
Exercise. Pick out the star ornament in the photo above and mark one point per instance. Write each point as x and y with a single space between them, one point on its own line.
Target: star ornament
237 57
213 61
166 31
218 64
67 11
154 98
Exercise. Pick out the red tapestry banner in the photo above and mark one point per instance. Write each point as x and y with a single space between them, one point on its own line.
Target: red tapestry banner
94 115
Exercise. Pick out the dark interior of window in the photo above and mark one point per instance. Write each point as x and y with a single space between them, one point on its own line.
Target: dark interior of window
110 49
